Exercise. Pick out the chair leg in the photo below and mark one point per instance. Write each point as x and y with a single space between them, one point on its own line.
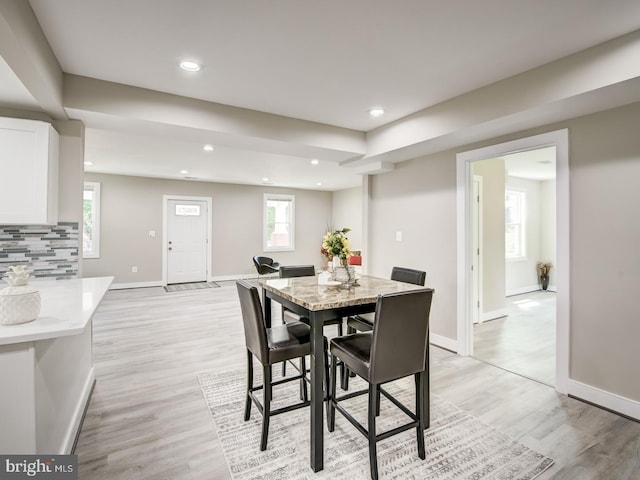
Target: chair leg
247 404
284 369
331 408
426 398
327 380
345 373
304 393
420 413
266 405
377 400
371 427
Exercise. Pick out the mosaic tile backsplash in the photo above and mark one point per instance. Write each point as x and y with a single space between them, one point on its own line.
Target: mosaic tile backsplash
50 251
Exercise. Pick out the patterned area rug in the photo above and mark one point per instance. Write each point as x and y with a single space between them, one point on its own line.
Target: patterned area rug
458 446
181 287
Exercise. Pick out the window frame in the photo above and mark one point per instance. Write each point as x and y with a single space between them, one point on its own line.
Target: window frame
95 213
291 222
522 224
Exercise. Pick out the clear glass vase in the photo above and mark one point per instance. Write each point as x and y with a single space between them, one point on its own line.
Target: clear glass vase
344 275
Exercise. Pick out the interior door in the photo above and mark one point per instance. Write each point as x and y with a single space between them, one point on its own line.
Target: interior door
477 242
186 241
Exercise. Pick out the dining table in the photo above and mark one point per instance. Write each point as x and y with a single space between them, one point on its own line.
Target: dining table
309 299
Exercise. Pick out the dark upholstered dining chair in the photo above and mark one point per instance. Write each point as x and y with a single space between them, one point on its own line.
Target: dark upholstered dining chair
396 348
270 345
291 271
364 322
265 265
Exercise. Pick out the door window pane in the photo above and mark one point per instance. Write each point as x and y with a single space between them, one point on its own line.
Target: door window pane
188 210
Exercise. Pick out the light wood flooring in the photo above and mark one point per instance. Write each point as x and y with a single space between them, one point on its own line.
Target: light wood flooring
147 418
523 342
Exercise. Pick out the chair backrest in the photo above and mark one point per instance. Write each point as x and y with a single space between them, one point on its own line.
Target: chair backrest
255 333
260 261
400 335
290 271
408 275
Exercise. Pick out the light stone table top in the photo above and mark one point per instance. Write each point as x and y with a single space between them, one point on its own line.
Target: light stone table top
67 307
306 292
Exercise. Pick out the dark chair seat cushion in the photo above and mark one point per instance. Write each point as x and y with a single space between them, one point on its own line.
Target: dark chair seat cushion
362 322
288 341
288 316
355 351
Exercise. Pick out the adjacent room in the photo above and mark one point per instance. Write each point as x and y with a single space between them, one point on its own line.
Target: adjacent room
335 240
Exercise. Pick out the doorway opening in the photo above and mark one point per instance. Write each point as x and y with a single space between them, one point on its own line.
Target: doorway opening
516 330
466 297
186 234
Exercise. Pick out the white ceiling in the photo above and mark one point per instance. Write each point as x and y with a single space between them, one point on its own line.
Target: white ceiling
327 62
537 164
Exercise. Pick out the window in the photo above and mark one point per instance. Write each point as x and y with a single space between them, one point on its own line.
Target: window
187 210
91 220
514 227
279 214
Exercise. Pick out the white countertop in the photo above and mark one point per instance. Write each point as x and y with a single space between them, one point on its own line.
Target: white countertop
67 307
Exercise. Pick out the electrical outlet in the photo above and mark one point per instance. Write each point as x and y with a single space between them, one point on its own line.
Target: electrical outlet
134 269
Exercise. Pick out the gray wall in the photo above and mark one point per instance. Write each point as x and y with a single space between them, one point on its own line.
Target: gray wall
419 197
347 212
132 206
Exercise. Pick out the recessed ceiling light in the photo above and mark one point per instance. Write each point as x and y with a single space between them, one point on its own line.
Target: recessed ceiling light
376 112
208 148
184 172
319 184
315 161
88 164
189 66
265 179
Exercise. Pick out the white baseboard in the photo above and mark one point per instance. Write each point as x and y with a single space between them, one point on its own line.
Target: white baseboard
120 286
444 342
605 399
529 289
492 315
521 290
238 276
78 414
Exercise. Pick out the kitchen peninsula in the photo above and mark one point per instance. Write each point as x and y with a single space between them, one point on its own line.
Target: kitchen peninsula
46 369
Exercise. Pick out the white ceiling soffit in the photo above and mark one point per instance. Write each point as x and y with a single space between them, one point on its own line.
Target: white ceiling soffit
13 94
326 62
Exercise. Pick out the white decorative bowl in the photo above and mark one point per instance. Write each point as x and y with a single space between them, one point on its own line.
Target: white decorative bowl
19 305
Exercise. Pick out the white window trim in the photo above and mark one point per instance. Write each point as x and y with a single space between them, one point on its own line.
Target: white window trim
292 227
523 225
95 252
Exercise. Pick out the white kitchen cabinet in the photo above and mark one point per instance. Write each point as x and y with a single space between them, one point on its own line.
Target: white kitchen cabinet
28 172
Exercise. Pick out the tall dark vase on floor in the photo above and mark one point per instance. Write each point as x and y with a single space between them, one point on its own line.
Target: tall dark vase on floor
543 274
544 281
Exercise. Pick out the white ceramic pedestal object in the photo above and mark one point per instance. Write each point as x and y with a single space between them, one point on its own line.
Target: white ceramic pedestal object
19 305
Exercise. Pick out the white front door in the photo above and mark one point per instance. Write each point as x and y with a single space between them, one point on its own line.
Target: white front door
186 241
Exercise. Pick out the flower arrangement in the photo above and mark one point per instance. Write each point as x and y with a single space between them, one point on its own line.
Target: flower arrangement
543 269
336 244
